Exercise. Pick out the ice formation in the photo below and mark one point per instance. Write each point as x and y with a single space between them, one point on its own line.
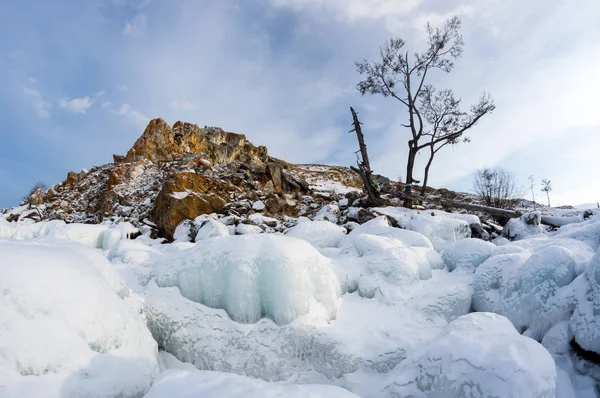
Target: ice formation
252 277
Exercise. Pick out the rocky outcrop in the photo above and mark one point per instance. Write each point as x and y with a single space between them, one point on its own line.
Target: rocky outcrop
178 173
161 143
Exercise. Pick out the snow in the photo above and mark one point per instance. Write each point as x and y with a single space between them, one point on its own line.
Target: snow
585 322
526 225
252 277
477 355
67 328
381 227
376 312
320 234
259 205
440 227
211 228
180 195
467 254
183 231
524 287
197 384
248 229
330 212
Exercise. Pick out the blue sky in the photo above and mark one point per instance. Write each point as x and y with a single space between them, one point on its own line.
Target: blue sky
81 79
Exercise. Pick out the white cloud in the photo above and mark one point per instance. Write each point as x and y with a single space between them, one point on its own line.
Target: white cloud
138 118
353 10
80 105
183 105
76 105
42 108
136 27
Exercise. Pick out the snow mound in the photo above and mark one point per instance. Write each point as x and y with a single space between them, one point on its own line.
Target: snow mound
380 226
467 253
526 225
254 276
176 383
587 232
477 355
318 233
64 330
440 227
211 228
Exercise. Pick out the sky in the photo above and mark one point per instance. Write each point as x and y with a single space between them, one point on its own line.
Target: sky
82 78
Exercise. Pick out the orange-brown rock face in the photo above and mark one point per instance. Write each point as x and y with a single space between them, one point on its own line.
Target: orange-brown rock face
186 196
161 143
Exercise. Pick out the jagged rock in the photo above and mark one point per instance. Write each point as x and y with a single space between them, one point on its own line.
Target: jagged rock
37 197
478 232
118 158
72 178
186 196
160 142
359 215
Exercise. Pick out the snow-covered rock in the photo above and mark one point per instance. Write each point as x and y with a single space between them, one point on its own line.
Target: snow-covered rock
177 383
211 228
318 233
65 330
252 277
477 355
247 229
259 205
330 212
526 225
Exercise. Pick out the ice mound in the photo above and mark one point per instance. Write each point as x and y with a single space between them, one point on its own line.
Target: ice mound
177 383
369 261
477 355
585 322
64 330
254 276
467 253
318 233
518 286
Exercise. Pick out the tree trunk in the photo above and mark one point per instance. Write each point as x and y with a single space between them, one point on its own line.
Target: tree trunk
410 163
426 176
548 196
364 170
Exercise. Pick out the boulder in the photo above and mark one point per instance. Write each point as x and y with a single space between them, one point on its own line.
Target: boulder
186 196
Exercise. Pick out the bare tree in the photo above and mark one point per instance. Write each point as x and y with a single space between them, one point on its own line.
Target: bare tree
497 188
531 186
430 114
446 123
546 187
